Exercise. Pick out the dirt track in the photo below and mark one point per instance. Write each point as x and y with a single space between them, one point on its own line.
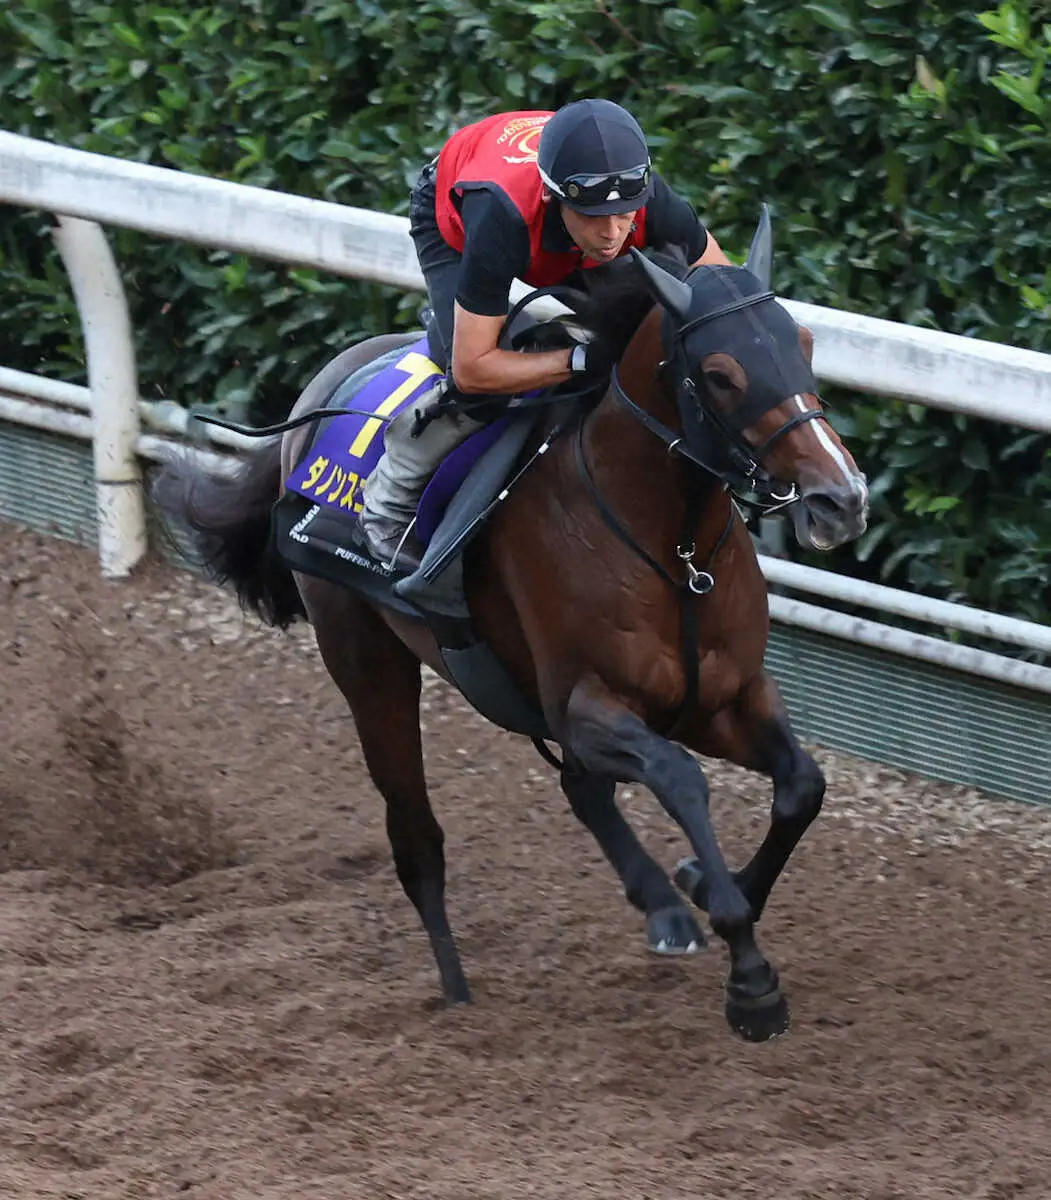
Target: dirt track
212 985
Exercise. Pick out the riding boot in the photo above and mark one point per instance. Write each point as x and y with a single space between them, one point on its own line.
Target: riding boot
393 490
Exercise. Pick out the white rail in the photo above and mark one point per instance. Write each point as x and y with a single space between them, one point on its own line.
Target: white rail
114 387
929 367
164 416
79 425
941 370
911 645
797 577
207 212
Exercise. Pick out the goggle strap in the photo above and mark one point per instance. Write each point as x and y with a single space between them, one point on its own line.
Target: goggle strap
549 183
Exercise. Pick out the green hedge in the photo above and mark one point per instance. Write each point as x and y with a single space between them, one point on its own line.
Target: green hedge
903 148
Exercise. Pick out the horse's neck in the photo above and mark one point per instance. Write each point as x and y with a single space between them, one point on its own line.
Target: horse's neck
637 372
630 463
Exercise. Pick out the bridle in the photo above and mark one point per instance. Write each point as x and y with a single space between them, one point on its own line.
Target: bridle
742 469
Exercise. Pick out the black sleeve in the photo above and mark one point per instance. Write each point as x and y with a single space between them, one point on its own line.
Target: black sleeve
671 220
496 251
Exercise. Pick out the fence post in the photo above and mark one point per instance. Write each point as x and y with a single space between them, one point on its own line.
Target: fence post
113 384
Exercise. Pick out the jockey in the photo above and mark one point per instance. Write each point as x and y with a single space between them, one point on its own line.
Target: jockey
534 195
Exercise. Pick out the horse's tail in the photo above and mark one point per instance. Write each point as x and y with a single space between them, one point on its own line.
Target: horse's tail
230 519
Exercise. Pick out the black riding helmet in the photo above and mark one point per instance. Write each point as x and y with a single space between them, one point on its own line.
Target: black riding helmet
593 156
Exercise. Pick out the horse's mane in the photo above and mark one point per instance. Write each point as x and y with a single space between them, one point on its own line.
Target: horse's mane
616 298
609 302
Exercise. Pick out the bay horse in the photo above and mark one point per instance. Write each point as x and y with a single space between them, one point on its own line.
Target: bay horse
620 587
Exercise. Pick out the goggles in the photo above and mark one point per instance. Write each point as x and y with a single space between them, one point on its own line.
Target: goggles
586 190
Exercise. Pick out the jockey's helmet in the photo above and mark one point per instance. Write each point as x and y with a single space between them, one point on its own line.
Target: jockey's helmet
593 156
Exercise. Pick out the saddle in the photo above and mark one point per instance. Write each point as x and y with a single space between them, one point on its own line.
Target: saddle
315 521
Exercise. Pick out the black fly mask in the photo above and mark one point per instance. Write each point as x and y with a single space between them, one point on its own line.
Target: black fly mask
728 310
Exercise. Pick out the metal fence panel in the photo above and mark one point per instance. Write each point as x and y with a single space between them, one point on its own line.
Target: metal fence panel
915 715
47 483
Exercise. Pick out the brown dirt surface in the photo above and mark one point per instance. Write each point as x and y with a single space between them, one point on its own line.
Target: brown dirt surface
211 984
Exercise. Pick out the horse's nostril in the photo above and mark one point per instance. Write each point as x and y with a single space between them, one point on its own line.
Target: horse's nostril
835 504
824 506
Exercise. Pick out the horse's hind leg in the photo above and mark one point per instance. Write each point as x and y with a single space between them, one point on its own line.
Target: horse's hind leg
757 734
380 678
670 928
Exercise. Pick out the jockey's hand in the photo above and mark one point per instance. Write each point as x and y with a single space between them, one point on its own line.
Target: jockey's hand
548 335
599 357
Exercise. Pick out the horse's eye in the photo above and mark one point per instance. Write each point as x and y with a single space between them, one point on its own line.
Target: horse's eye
720 380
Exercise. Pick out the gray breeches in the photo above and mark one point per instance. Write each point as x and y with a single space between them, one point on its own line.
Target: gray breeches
394 488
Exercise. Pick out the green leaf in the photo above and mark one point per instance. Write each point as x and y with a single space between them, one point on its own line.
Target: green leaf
128 36
975 454
1034 299
39 33
832 16
1023 92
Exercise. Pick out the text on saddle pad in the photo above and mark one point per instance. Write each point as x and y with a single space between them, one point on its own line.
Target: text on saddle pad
347 450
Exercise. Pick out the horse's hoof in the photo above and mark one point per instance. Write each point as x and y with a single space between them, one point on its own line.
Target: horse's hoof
759 1019
455 990
673 931
689 879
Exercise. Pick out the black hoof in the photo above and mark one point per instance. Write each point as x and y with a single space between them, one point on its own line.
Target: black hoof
760 1018
455 990
673 931
450 968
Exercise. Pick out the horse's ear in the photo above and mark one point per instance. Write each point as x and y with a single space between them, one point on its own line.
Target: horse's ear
675 295
761 254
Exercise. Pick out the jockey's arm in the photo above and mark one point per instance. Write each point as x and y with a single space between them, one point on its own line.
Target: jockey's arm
479 366
496 251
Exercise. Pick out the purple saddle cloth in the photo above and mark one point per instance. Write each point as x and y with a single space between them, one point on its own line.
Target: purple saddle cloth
347 448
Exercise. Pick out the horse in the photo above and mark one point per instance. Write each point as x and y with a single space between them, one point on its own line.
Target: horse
619 585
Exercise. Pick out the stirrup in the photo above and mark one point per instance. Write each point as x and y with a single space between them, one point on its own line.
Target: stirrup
406 556
404 559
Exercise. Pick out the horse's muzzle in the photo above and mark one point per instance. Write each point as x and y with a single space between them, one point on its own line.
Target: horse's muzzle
831 515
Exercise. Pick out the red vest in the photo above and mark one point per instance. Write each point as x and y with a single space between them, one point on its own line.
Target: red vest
502 150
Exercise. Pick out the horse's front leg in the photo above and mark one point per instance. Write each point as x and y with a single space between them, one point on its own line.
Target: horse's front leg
757 733
607 738
670 927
